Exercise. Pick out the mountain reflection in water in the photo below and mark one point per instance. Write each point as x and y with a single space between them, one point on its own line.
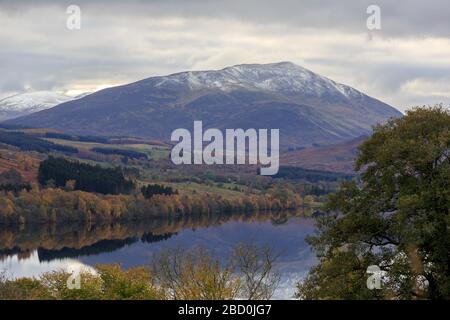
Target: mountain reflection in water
31 250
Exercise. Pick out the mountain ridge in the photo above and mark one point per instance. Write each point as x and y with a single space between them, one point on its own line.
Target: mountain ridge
29 102
306 107
26 103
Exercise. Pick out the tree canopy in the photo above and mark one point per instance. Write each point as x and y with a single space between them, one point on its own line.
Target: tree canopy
396 218
87 177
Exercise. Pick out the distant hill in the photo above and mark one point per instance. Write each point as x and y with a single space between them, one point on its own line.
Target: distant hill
335 158
306 107
26 103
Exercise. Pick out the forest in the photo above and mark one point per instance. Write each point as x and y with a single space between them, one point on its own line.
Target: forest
50 205
29 143
90 186
153 189
85 177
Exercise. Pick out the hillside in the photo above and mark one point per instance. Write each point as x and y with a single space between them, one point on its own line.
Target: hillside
25 164
306 107
26 103
335 158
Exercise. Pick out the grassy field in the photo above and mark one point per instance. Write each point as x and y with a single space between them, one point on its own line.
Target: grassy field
155 152
152 151
225 190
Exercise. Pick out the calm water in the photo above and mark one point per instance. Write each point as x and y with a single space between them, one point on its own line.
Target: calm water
30 252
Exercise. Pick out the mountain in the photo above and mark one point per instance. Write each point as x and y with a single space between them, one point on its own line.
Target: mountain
306 107
26 103
339 157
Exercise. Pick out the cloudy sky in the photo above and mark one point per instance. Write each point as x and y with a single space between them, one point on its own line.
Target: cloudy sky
406 63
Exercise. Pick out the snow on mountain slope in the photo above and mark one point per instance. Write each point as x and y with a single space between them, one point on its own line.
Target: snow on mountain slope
29 102
274 77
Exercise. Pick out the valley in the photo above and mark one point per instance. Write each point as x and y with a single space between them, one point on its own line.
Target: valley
56 175
90 186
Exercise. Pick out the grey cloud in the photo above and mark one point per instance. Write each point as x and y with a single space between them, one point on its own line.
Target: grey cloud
125 41
411 18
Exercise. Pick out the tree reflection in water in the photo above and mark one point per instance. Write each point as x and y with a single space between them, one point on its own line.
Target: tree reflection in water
71 241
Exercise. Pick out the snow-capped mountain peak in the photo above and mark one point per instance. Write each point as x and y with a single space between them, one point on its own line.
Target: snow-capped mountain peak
24 101
277 77
30 102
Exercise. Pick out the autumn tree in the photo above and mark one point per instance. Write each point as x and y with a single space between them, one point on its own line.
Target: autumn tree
397 218
197 274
